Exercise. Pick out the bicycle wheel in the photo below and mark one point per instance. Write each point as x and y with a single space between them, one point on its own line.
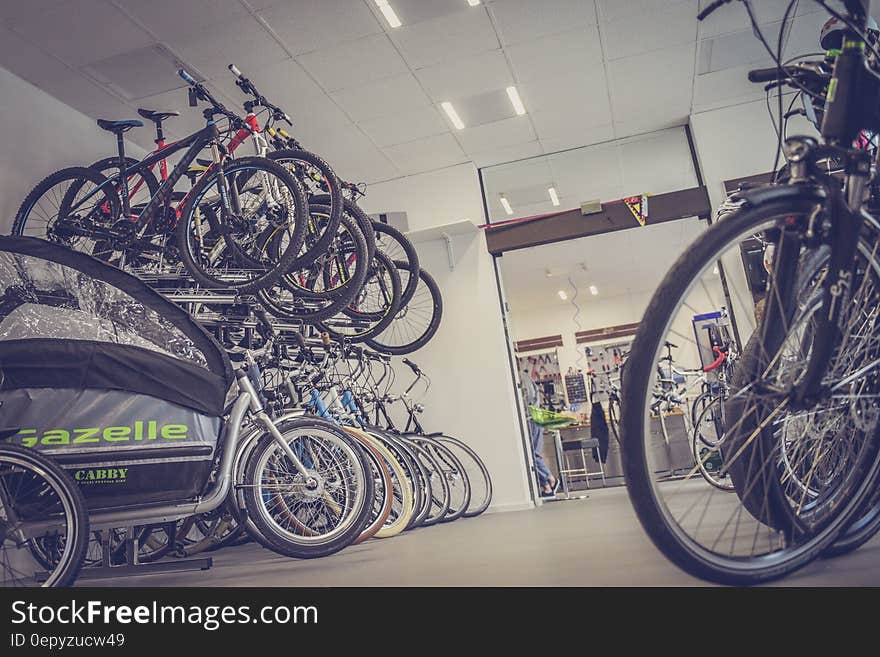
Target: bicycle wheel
383 496
439 497
781 516
351 210
474 469
406 497
314 174
708 435
324 287
222 236
416 322
313 513
452 470
76 207
396 246
373 307
39 503
141 182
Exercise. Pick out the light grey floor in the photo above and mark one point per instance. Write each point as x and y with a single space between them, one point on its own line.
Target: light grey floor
591 542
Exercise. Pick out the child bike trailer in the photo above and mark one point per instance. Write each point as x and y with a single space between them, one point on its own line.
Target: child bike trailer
118 385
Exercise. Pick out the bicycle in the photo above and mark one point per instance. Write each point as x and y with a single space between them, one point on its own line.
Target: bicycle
219 240
800 436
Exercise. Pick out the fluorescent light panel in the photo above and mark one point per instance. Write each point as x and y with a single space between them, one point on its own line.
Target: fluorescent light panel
473 3
562 295
506 205
554 199
594 290
453 115
518 106
388 12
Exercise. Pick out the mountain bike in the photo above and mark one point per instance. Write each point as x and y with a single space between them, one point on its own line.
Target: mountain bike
219 235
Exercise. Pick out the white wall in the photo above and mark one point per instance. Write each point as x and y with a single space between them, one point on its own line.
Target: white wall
472 394
41 135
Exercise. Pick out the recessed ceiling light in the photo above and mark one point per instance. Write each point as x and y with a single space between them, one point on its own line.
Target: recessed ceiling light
594 290
518 106
562 295
453 115
554 199
473 3
506 205
388 11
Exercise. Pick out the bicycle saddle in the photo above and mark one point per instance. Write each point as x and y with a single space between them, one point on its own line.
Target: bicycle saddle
119 127
157 117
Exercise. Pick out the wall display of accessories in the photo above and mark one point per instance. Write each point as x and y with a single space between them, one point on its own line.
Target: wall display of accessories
232 347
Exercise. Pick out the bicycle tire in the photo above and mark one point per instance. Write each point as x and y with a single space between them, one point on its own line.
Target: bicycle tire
311 310
334 199
380 458
74 175
395 339
437 500
247 168
685 551
481 485
76 519
455 475
397 246
282 540
353 211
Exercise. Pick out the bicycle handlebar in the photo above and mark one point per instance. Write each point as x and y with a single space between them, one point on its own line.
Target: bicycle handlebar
187 77
248 87
722 356
412 366
711 8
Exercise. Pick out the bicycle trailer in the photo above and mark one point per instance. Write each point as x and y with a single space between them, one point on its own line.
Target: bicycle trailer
116 383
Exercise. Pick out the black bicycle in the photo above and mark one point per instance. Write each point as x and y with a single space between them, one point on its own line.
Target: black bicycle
218 230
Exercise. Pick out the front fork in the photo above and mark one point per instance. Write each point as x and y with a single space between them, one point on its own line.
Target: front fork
263 419
845 228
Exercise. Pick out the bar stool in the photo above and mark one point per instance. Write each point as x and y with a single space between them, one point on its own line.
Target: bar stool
569 474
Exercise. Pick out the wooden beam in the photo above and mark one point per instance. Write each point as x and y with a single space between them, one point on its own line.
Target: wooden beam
534 344
558 227
607 333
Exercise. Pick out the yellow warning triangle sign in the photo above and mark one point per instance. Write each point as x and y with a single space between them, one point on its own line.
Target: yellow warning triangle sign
638 205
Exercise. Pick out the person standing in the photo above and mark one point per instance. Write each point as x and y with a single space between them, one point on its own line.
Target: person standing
532 395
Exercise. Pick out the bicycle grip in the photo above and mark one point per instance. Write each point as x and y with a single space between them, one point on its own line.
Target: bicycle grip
325 339
764 74
186 76
234 69
412 366
711 8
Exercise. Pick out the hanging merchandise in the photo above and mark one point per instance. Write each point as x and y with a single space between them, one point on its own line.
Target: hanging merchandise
638 205
599 430
575 388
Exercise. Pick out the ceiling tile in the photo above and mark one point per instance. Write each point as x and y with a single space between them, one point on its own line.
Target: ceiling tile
307 25
653 86
571 120
509 132
568 52
354 63
559 140
404 127
90 99
445 38
68 31
523 20
725 87
354 157
507 154
615 10
466 77
243 42
382 97
583 95
26 60
734 18
411 12
638 33
173 19
484 108
426 154
189 121
138 73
